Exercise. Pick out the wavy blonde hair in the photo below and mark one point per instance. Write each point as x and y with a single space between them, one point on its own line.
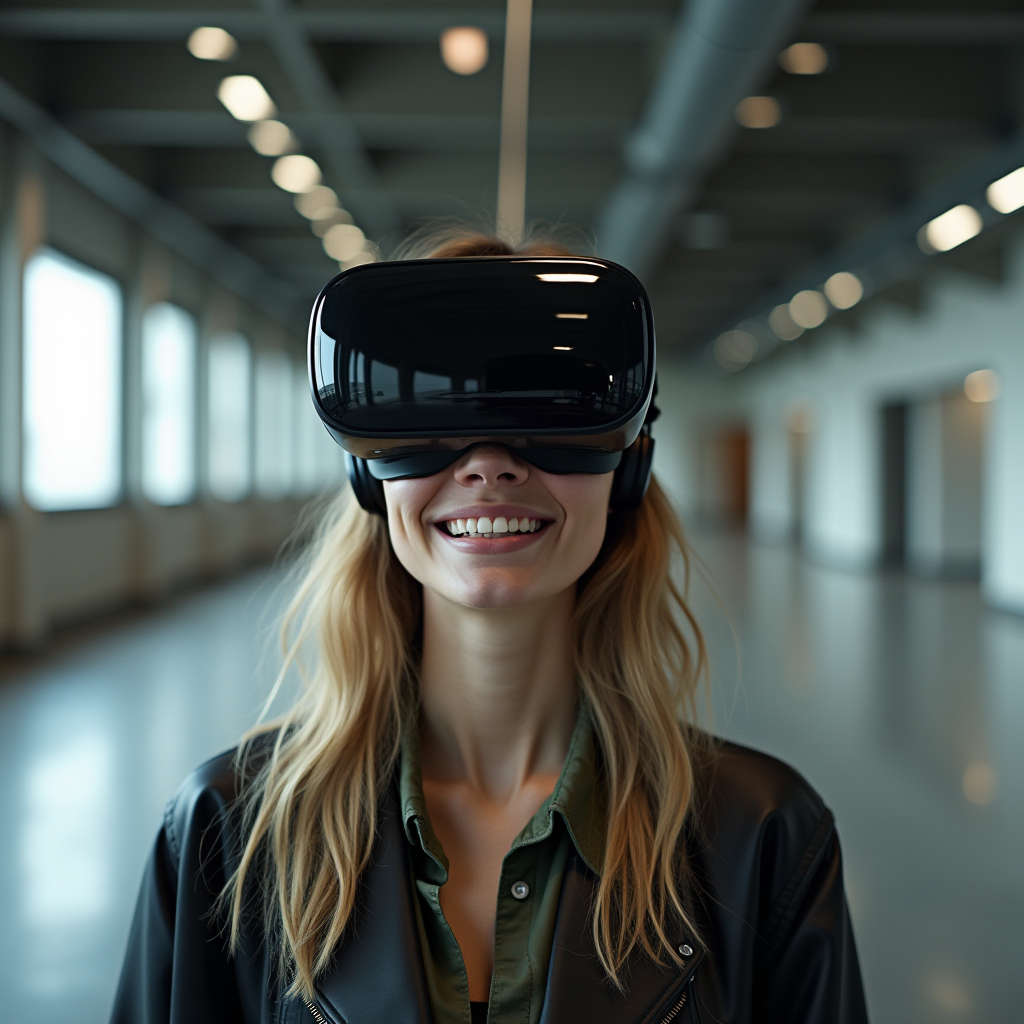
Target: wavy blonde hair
311 811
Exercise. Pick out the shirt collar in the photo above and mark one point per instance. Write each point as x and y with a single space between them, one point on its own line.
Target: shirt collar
577 798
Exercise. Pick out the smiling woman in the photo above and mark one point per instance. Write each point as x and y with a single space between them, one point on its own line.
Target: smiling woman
493 801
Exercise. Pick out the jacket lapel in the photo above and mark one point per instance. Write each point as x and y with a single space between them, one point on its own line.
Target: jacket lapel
579 991
378 976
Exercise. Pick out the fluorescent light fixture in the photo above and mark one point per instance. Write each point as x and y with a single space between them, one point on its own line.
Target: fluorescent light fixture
571 316
952 228
245 98
844 289
272 138
324 224
1007 194
982 386
804 59
296 173
344 242
209 43
562 348
464 49
783 326
318 203
808 308
568 278
734 349
758 112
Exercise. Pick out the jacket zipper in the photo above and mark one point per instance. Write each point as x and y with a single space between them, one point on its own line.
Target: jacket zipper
315 1010
677 1009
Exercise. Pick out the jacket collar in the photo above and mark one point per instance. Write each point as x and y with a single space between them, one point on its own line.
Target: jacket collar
377 975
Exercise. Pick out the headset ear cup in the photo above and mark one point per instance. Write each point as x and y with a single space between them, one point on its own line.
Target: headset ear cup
369 491
633 475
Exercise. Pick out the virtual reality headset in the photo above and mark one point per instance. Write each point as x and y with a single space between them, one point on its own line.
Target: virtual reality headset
413 362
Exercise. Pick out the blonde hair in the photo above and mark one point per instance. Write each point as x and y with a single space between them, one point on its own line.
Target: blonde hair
311 811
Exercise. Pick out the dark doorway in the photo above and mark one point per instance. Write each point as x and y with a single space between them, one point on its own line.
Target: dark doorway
894 483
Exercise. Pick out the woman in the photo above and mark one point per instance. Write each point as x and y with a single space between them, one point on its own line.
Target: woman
492 802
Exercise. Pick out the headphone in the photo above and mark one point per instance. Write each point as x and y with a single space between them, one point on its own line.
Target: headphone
628 486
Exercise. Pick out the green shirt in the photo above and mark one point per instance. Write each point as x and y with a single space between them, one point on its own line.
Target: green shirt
572 817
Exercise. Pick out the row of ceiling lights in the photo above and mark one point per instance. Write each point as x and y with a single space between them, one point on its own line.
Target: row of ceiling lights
246 99
464 50
733 350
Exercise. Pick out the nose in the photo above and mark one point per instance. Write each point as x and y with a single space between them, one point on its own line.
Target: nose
489 465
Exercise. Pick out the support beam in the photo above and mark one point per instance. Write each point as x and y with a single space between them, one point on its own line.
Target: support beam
515 112
367 26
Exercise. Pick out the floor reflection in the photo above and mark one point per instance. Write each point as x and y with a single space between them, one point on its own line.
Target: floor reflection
902 701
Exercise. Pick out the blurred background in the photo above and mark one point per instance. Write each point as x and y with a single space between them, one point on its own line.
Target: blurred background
822 199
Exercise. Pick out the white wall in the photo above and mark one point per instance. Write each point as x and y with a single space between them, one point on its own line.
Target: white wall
895 354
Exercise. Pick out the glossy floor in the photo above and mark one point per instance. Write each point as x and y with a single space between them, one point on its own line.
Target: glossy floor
902 702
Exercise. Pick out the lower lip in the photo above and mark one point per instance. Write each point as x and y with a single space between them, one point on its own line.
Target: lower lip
492 545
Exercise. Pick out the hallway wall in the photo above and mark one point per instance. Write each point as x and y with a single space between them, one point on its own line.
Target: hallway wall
895 354
56 567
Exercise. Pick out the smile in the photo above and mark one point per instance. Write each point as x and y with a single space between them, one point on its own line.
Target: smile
486 527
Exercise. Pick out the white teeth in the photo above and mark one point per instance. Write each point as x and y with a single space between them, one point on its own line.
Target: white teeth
484 527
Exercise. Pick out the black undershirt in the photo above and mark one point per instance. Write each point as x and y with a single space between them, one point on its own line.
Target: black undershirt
478 1013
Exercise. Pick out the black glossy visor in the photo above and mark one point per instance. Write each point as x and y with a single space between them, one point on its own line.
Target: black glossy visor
552 356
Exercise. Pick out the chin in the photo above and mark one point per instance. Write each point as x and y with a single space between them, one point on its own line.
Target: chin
492 590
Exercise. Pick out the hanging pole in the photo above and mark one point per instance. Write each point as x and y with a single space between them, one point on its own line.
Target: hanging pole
515 103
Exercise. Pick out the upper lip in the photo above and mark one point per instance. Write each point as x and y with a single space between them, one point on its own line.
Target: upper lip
491 511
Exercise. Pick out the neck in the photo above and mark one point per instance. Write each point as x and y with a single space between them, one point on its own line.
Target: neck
498 692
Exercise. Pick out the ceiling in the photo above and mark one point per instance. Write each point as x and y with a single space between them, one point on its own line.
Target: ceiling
914 93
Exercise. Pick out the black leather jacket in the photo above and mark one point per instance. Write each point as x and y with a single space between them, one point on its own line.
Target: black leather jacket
778 947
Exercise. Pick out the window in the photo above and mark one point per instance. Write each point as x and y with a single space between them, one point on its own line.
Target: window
319 459
72 384
274 421
230 404
168 404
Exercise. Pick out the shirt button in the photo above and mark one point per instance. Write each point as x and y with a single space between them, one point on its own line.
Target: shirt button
520 890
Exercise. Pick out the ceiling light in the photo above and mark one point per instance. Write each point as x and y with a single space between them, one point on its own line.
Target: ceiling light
208 43
783 326
1007 194
343 242
758 112
464 49
272 138
245 98
735 349
844 290
296 173
317 203
804 59
952 228
808 308
982 386
324 224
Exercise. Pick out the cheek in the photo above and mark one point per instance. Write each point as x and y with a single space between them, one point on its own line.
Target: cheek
585 500
406 500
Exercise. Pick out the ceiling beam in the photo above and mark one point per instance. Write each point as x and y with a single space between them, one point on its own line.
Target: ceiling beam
355 177
916 28
366 26
164 221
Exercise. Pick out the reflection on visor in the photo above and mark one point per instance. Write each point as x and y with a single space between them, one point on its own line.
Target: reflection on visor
482 347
